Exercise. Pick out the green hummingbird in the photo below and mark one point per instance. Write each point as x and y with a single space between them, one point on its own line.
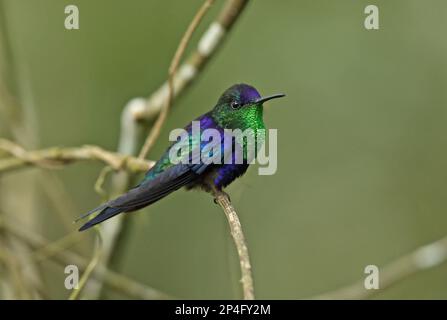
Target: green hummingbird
239 107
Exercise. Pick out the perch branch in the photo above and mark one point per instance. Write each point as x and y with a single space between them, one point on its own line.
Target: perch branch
421 259
115 280
55 157
239 240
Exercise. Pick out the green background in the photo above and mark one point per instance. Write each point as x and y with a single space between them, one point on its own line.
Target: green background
362 136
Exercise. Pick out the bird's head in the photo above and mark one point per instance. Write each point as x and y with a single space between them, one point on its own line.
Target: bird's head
240 107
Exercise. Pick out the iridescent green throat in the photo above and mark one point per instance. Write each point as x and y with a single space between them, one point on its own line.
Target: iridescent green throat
247 117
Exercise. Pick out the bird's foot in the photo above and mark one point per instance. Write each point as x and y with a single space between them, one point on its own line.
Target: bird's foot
224 194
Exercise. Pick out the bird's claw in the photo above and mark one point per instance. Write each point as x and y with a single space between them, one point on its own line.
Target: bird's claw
224 194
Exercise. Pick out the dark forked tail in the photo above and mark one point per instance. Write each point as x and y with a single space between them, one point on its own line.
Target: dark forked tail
105 214
142 195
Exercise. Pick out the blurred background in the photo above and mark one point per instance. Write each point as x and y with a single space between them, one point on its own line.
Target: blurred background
362 136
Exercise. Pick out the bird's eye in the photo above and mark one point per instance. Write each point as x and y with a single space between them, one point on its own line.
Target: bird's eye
235 105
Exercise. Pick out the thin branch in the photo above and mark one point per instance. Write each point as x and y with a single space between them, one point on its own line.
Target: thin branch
45 253
88 270
115 280
55 157
155 132
421 259
101 180
239 240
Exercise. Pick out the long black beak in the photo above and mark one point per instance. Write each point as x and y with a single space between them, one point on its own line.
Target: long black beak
261 100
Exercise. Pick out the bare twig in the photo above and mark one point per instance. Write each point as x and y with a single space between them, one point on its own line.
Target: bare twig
155 132
88 270
116 281
54 157
48 251
239 240
421 259
101 180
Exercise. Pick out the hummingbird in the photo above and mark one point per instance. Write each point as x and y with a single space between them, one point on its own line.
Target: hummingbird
239 107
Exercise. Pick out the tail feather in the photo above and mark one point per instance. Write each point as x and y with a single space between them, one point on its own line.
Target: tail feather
105 214
85 215
143 195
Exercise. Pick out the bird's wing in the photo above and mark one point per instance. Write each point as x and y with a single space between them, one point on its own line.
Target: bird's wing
162 179
190 151
166 177
150 191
